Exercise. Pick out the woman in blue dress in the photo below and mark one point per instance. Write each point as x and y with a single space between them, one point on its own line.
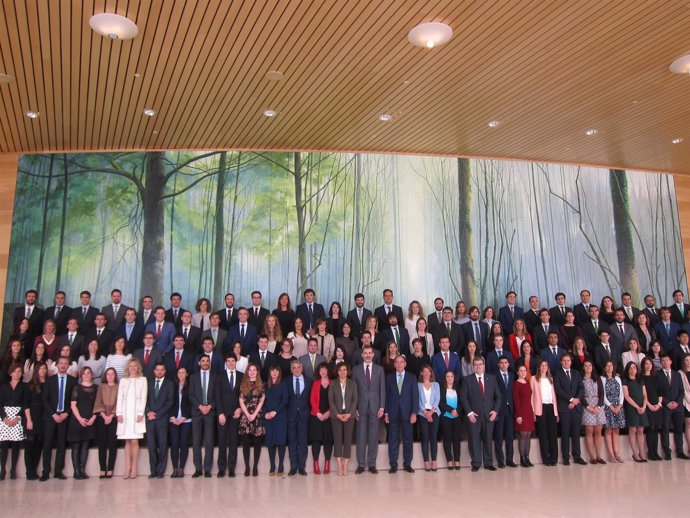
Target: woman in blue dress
275 419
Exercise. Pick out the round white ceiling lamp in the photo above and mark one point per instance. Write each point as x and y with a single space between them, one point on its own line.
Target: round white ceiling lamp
113 26
591 132
677 140
681 65
385 117
270 113
31 115
430 35
149 112
493 124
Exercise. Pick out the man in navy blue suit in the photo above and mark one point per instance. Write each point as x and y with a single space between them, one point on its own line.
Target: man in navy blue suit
552 352
162 330
671 392
497 353
395 333
298 411
667 330
131 330
215 356
242 332
446 360
476 331
159 407
178 358
402 403
309 311
504 429
508 314
570 392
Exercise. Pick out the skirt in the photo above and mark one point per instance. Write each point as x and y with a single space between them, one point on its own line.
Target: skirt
12 433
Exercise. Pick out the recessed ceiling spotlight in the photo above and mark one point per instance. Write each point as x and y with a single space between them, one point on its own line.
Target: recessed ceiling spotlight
113 26
155 132
149 112
385 117
31 115
270 113
274 75
635 101
137 75
493 124
406 82
430 35
591 132
4 78
677 140
681 65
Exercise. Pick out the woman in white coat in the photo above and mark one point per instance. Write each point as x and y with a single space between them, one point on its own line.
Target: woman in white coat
131 403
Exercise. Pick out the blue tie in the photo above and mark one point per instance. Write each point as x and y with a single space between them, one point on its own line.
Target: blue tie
61 395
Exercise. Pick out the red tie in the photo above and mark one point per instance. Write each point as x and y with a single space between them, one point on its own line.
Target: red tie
146 356
481 386
445 355
177 360
158 335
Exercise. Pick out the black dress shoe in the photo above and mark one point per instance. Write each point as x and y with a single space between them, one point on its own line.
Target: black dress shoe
450 468
392 470
197 474
373 470
152 476
255 472
293 472
511 464
32 477
207 474
580 461
667 456
566 463
221 474
682 455
43 477
501 465
491 468
475 468
231 474
359 470
160 476
303 472
60 476
409 469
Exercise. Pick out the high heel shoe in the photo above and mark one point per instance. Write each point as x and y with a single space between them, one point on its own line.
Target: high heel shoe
327 467
618 459
427 467
317 471
434 466
255 472
246 471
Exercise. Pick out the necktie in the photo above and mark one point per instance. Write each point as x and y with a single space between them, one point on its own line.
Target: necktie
446 359
115 310
263 358
448 327
57 311
587 308
175 313
232 380
204 385
400 380
147 353
668 329
359 315
98 332
367 376
629 312
228 316
567 373
620 326
546 329
186 333
83 311
28 311
61 394
129 330
147 313
499 353
158 334
596 326
71 338
505 379
156 389
685 349
438 316
214 333
298 391
562 311
313 362
653 310
553 351
256 312
242 331
397 337
481 385
512 311
681 308
311 314
177 360
477 333
608 350
668 376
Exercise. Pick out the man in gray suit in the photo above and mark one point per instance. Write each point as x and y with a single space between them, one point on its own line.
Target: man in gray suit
215 331
115 312
621 331
481 399
311 360
371 392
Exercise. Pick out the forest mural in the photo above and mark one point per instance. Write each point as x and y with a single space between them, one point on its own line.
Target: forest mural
204 223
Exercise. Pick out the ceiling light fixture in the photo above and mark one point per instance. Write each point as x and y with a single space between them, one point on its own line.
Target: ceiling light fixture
274 75
113 26
430 35
385 117
4 79
32 115
493 124
681 65
591 132
149 112
677 140
270 113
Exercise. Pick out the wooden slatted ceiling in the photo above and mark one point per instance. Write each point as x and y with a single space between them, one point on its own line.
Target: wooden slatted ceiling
546 70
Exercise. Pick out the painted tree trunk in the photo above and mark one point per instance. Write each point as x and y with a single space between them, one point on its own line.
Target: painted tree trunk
618 182
44 225
469 286
63 223
152 252
301 238
220 232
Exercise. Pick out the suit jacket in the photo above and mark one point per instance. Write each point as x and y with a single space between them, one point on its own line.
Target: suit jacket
61 320
354 322
78 345
673 391
653 317
318 312
539 337
568 389
114 321
150 320
51 394
531 320
401 404
220 340
217 362
136 337
591 335
193 340
299 407
388 336
358 360
306 364
164 341
382 316
457 339
675 313
86 323
581 313
228 399
154 357
170 316
506 392
432 322
557 318
492 361
270 361
472 399
507 320
621 340
196 396
373 396
335 398
249 343
258 322
677 356
106 339
163 405
225 324
468 334
553 360
668 339
635 312
438 365
35 320
186 361
601 357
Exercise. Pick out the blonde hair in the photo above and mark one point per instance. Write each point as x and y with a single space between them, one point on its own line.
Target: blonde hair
140 370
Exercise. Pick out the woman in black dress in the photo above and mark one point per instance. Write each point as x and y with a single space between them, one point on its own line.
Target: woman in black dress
284 356
320 429
346 341
14 353
180 424
418 359
335 320
14 412
81 429
569 331
275 419
655 414
606 310
33 445
285 314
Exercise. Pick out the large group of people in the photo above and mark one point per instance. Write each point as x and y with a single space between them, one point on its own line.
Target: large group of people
295 380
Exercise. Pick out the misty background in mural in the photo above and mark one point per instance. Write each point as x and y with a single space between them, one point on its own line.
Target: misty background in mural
204 223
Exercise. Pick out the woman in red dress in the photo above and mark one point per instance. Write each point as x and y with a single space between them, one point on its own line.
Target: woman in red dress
524 415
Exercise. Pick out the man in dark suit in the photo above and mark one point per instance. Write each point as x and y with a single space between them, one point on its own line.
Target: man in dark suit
651 311
531 316
228 314
115 311
131 330
504 429
453 331
178 358
59 312
357 356
312 359
74 339
148 355
214 354
264 358
402 404
508 314
85 314
357 317
242 332
630 313
192 334
145 315
31 311
680 312
435 317
371 402
381 312
102 332
474 330
606 351
558 311
680 350
57 393
310 311
174 313
202 397
540 332
446 360
298 411
581 309
481 401
553 351
160 399
591 328
163 331
257 313
215 331
229 412
672 393
570 392
621 331
497 353
395 333
667 330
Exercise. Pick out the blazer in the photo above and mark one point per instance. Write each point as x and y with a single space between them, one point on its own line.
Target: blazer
642 338
186 361
601 357
568 389
335 398
86 323
170 316
358 360
61 320
474 401
621 340
307 368
220 340
217 362
193 340
249 343
675 313
433 320
506 392
537 404
78 346
581 313
506 319
677 355
400 405
388 336
553 360
591 335
315 396
672 392
357 326
270 361
228 399
181 403
668 339
163 405
155 356
35 320
456 336
151 319
382 316
435 400
106 339
164 341
635 312
492 361
652 316
226 323
372 397
533 363
539 337
438 365
298 408
114 321
136 337
51 394
513 345
558 318
443 401
196 397
258 322
532 320
302 311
